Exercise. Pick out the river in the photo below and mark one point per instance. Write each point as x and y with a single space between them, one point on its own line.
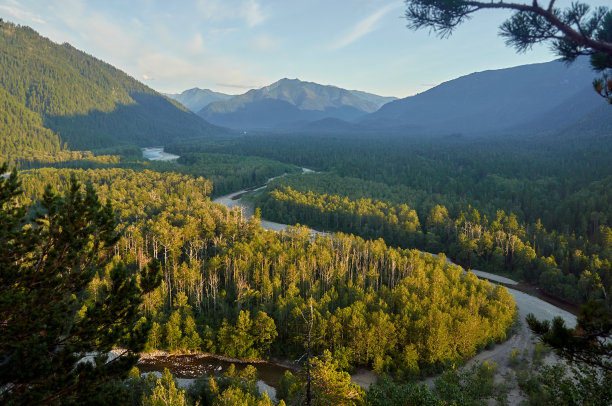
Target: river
236 199
522 339
187 367
158 154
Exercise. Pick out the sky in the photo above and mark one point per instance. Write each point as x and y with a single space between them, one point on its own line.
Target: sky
232 46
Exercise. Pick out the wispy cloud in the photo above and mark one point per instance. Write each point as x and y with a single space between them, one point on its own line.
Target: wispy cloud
21 14
250 11
196 45
264 43
252 14
238 86
160 56
363 27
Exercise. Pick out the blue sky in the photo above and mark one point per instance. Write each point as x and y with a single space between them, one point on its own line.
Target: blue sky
235 45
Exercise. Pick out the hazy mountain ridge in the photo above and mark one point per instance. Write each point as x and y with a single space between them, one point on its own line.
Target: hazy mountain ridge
84 100
539 97
196 99
290 101
374 98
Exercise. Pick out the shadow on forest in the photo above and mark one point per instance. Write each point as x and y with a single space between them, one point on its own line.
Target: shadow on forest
151 120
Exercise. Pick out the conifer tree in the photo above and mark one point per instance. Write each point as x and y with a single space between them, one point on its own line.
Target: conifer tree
54 347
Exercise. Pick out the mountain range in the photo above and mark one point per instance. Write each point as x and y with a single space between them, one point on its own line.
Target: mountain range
54 97
290 103
540 97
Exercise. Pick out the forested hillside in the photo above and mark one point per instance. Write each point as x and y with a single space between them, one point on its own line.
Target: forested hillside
233 288
84 101
23 133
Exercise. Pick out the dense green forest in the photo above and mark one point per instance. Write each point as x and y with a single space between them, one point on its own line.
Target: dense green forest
233 288
15 121
540 210
499 246
227 173
530 177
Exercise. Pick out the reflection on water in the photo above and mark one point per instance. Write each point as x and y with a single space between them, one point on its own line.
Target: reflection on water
186 367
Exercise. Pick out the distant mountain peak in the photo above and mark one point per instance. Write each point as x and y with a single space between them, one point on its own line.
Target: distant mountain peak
195 99
291 100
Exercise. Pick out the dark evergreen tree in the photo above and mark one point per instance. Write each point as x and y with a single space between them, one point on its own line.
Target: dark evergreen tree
588 343
54 347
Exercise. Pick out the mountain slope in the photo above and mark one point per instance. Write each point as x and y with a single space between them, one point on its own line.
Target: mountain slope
196 99
531 97
23 135
379 101
86 102
288 102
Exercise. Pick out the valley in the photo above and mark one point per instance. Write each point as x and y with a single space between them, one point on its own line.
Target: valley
295 242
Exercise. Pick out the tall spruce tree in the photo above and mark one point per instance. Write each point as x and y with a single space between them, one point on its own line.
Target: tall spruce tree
54 347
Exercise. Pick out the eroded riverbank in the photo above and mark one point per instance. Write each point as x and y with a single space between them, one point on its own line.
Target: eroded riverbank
187 367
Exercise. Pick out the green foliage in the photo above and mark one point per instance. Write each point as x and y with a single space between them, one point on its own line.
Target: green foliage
562 384
532 177
499 245
235 388
329 385
397 310
238 341
388 393
332 386
588 343
397 224
166 393
23 133
228 173
289 388
473 386
46 265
